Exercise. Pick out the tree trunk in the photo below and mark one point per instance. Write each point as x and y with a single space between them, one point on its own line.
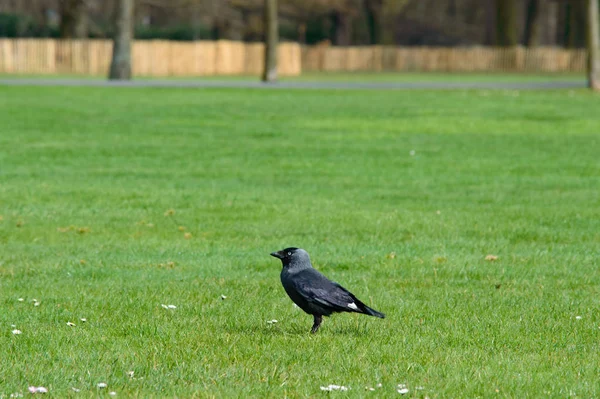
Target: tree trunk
120 67
593 45
215 30
551 23
271 41
73 19
490 23
506 25
342 28
374 13
533 23
195 21
302 33
576 24
561 23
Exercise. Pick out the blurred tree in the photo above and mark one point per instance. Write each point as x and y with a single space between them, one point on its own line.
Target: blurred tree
374 14
593 45
575 23
490 22
120 67
271 41
343 22
533 23
550 22
506 23
73 19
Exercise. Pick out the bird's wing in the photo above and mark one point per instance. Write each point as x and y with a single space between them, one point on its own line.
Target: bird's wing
318 289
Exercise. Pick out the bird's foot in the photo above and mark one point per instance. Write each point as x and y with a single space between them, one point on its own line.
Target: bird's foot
316 324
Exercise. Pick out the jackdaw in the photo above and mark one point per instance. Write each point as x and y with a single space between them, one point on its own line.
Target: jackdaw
313 292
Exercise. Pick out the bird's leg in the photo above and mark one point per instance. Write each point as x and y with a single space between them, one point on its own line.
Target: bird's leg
317 323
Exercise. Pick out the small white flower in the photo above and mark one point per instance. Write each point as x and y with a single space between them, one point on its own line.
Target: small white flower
113 393
32 389
403 391
83 319
272 321
412 153
578 317
130 373
171 306
223 297
20 299
101 385
70 324
379 385
36 304
42 390
16 332
333 387
164 306
75 389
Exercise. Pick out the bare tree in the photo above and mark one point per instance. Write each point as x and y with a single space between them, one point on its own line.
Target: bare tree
342 26
506 25
271 41
120 67
73 19
490 22
577 13
374 13
533 23
593 45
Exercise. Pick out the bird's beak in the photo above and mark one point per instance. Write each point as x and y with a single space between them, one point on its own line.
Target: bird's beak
277 254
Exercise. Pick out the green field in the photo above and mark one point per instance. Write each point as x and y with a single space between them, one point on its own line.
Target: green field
397 195
362 77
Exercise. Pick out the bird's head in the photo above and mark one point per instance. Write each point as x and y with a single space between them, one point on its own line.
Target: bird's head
292 256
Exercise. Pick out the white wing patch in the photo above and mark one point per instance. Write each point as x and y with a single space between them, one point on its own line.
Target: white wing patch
353 306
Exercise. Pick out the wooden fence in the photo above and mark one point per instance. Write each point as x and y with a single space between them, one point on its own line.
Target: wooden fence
149 58
442 59
169 58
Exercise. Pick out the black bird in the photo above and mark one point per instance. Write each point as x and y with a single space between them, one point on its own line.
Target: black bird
313 292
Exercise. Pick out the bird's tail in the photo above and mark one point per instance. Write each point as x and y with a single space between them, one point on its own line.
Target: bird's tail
367 310
373 312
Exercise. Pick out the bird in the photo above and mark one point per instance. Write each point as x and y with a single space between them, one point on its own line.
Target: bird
312 291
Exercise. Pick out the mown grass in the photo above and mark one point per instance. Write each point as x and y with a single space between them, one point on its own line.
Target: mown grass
361 77
88 177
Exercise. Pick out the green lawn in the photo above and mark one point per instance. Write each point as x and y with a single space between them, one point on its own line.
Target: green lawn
415 77
397 195
377 77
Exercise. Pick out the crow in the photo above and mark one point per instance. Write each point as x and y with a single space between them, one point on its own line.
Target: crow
313 292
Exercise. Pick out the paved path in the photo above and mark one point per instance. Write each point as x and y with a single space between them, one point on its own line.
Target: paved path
294 85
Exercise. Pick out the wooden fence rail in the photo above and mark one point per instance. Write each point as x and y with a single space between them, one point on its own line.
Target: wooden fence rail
149 58
442 59
169 58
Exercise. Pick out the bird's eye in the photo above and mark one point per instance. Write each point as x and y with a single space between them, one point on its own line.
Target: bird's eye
289 253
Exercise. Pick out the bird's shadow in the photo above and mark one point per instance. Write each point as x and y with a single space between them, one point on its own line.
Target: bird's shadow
296 329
